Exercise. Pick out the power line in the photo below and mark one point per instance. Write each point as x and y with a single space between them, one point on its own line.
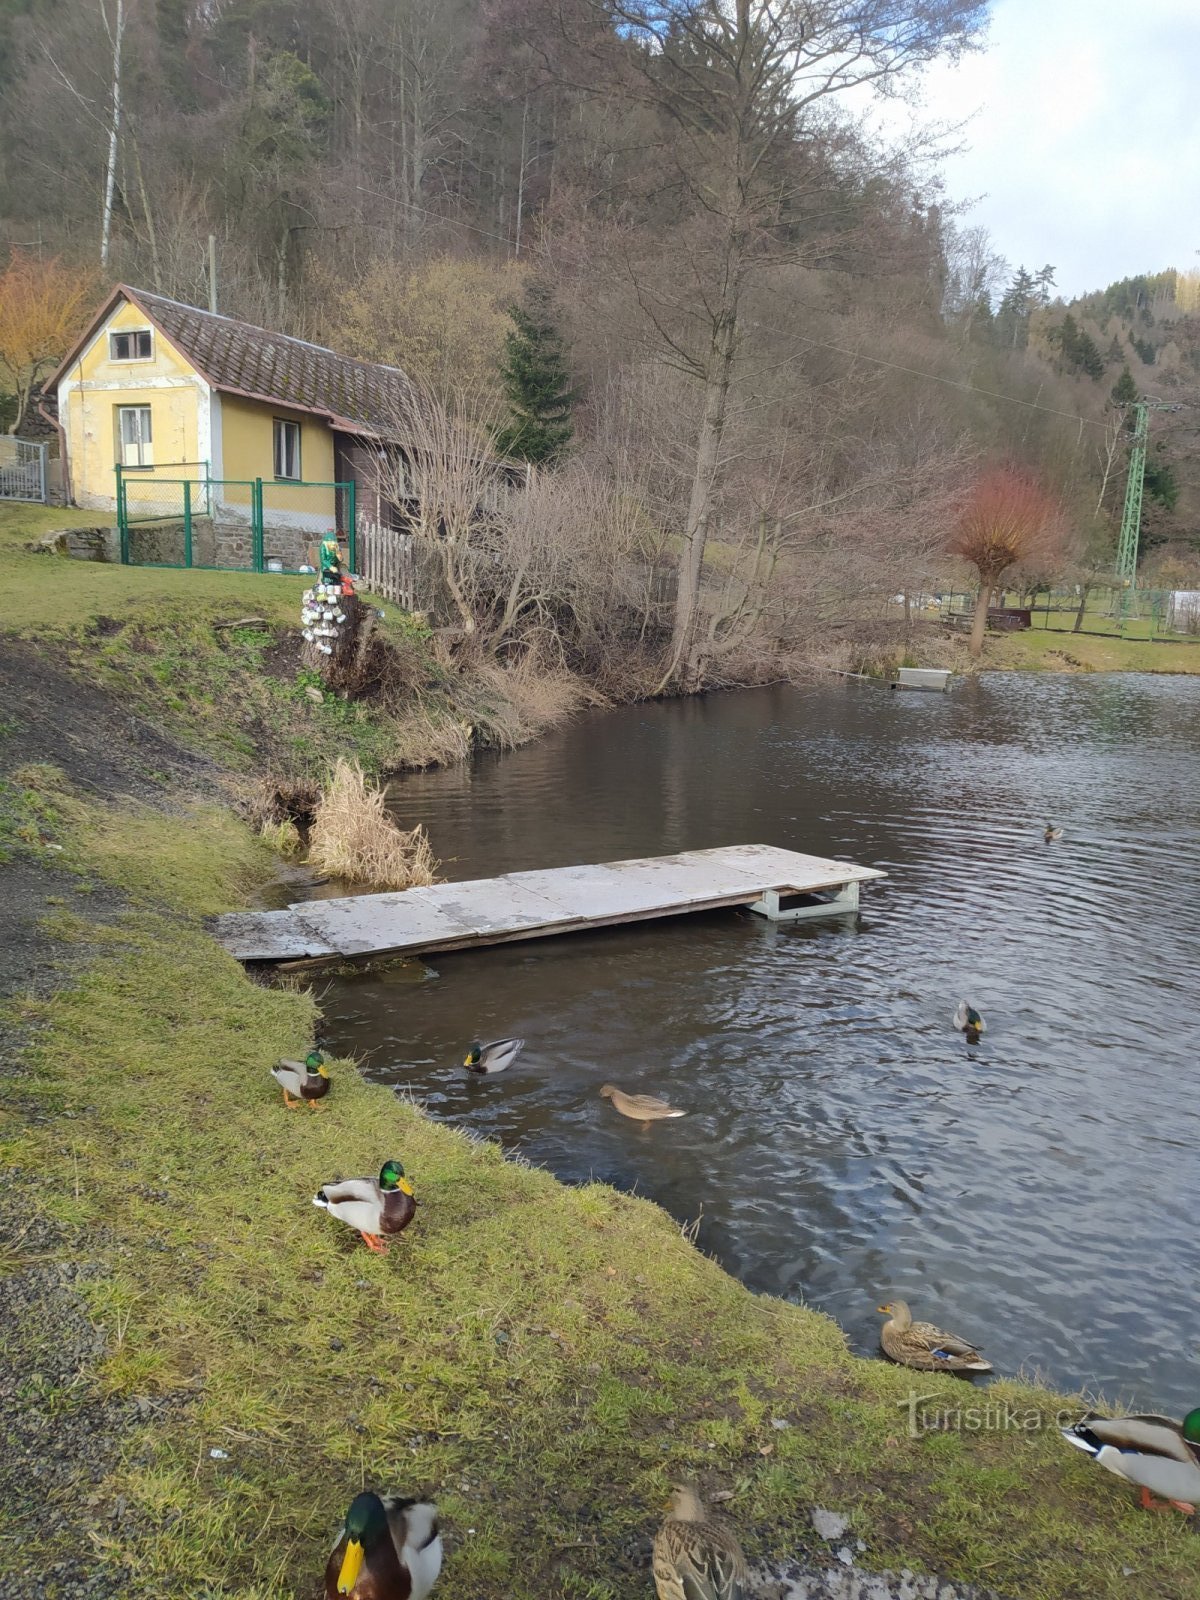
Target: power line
953 383
816 344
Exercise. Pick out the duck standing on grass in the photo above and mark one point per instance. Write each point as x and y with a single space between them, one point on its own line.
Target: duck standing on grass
696 1555
1156 1455
495 1057
923 1347
639 1107
307 1079
967 1020
389 1549
375 1206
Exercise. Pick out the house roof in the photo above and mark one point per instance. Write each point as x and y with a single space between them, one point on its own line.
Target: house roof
360 397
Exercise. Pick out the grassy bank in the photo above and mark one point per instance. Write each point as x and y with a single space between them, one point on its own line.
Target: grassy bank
1043 650
215 659
544 1359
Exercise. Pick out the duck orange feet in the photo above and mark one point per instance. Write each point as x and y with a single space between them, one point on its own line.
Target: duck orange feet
375 1243
1149 1503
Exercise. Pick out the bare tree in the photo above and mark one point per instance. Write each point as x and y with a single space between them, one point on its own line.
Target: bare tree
1007 519
740 83
116 35
449 481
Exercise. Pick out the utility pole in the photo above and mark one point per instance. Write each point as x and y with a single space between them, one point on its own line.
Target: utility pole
212 273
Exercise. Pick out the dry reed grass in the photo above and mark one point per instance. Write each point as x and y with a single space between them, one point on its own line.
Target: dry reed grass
353 837
282 837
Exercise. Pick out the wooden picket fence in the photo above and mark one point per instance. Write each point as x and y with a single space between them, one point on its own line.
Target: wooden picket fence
388 564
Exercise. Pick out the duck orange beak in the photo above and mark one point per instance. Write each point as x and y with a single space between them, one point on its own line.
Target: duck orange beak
404 1186
884 1311
351 1567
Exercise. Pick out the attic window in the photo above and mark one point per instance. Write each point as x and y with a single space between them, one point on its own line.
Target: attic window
131 344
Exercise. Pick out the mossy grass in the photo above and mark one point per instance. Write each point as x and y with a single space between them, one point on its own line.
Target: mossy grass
543 1359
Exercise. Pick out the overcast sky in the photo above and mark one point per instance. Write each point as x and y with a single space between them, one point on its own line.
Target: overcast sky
1085 150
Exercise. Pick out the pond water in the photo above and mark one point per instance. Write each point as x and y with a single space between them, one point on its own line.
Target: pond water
843 1144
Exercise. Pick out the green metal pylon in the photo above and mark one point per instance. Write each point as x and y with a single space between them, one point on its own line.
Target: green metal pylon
1131 519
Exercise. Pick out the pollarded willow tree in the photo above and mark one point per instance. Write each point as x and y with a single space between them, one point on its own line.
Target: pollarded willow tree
1007 519
740 85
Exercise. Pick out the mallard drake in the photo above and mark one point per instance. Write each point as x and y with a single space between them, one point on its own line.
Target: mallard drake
389 1549
373 1206
923 1347
967 1020
696 1555
307 1079
1052 833
1158 1456
495 1057
641 1107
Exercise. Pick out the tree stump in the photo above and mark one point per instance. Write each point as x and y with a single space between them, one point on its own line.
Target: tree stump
337 636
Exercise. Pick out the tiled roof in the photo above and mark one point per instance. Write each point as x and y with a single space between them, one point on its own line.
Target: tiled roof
356 396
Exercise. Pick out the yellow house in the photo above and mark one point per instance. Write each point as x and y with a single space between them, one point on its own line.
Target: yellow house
233 439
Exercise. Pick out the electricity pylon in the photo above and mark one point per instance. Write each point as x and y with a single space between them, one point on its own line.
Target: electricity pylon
1131 518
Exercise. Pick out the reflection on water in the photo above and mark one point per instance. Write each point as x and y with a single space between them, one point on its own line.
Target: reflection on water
843 1144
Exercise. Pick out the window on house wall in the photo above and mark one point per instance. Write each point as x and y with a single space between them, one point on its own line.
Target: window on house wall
134 438
131 344
287 449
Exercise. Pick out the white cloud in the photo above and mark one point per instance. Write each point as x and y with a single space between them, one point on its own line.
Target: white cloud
1084 143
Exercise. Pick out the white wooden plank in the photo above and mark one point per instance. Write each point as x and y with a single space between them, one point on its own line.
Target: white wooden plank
269 936
363 923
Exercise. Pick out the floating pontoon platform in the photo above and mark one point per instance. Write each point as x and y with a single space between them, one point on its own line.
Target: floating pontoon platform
779 884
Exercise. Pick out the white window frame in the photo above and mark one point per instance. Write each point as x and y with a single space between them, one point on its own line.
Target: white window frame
132 333
279 438
135 445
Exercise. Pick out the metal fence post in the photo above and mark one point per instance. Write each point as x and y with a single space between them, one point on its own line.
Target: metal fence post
256 521
352 518
187 522
122 518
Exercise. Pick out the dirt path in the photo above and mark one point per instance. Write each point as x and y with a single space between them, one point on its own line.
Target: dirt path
46 715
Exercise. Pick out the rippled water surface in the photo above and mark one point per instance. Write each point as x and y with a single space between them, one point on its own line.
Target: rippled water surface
842 1143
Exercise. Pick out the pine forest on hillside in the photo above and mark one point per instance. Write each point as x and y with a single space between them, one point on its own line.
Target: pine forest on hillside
643 243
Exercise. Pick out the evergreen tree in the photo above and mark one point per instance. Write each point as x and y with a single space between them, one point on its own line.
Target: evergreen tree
1125 391
1115 350
537 384
1087 359
1144 349
1019 300
983 322
1161 483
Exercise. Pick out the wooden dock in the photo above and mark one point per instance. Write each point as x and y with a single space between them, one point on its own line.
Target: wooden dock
779 884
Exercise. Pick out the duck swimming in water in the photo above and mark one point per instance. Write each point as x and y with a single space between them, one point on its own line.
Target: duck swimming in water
967 1020
495 1057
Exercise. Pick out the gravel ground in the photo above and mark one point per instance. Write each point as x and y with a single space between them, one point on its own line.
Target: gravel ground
799 1581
